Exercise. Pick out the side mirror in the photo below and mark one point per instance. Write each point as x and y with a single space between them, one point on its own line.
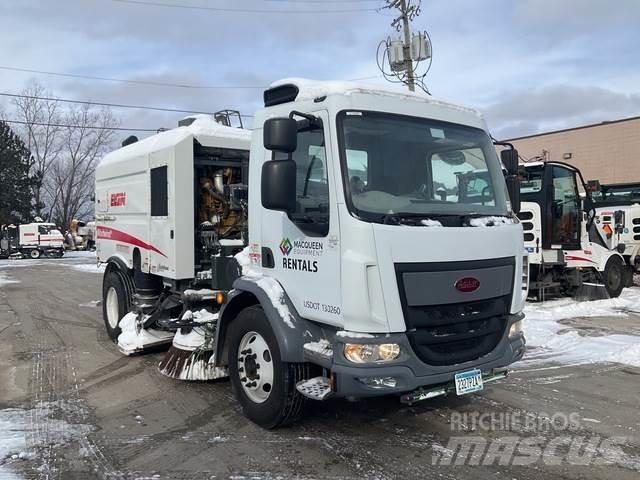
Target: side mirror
510 160
280 134
278 185
593 186
513 187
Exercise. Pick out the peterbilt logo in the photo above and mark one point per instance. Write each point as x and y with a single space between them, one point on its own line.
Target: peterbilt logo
467 284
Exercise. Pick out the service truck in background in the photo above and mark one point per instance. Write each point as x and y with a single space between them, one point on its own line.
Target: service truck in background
31 240
568 253
617 218
337 247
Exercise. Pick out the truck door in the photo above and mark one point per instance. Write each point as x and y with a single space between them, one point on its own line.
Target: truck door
565 210
306 254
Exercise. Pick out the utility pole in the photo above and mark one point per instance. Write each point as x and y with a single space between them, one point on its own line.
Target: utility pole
404 16
404 54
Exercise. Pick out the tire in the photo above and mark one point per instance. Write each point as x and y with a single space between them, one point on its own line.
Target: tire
35 253
115 303
614 277
273 401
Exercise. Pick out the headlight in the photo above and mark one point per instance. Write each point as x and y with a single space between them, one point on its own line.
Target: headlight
371 353
516 329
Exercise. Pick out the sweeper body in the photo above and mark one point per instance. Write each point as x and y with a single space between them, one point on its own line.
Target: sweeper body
357 243
568 254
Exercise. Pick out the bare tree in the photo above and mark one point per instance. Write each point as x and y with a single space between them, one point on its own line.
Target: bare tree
70 185
41 114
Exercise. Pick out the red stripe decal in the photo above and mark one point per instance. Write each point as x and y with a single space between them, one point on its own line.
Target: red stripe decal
108 233
569 257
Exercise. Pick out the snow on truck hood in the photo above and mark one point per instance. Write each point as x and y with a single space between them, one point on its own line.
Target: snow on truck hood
312 89
204 129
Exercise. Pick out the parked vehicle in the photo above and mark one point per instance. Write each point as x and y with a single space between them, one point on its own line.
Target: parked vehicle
566 251
31 240
618 217
80 236
329 252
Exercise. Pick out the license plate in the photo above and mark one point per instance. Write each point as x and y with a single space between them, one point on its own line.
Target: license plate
467 382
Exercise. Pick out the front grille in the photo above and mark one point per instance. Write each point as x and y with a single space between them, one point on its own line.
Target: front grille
454 333
457 333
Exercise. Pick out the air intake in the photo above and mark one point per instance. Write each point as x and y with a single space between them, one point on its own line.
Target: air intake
280 94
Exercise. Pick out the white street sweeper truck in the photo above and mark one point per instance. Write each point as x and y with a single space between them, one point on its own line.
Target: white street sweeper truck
31 240
618 217
567 253
358 242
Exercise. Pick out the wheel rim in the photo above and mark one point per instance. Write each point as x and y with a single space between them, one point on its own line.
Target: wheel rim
113 309
255 367
35 253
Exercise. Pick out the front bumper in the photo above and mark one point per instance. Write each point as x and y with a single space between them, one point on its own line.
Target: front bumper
408 371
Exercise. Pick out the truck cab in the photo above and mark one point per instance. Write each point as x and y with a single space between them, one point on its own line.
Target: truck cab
561 236
363 226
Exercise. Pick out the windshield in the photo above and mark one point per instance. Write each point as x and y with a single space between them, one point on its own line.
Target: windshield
404 165
617 195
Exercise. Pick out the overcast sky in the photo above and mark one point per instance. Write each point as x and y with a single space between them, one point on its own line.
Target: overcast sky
528 65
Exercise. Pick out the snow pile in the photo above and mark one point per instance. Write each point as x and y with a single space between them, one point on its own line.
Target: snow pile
321 347
491 221
21 437
550 341
276 294
134 338
312 89
427 222
14 427
347 334
196 337
244 260
271 286
87 267
80 254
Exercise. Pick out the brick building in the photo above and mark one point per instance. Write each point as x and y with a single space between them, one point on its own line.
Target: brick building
608 151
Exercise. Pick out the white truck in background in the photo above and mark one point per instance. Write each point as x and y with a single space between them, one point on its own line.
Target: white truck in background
617 218
566 249
31 240
332 251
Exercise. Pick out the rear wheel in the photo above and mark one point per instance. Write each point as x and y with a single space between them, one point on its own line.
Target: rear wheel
264 385
34 253
614 277
114 303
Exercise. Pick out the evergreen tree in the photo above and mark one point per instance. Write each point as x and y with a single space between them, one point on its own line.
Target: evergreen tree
15 182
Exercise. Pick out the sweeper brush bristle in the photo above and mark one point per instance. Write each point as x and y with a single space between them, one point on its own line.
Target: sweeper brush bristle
191 365
591 291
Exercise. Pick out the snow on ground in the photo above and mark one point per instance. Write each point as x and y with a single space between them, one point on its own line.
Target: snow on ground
22 440
549 341
80 254
5 279
86 267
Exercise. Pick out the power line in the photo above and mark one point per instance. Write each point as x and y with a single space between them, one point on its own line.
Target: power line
62 125
242 10
144 82
138 82
105 104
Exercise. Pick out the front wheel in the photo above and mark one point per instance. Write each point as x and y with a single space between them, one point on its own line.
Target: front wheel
264 385
114 303
34 253
614 277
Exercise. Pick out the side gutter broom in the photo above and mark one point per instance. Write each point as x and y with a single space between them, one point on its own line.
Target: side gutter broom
192 354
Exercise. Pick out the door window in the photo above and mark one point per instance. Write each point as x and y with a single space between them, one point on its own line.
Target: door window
565 209
312 184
